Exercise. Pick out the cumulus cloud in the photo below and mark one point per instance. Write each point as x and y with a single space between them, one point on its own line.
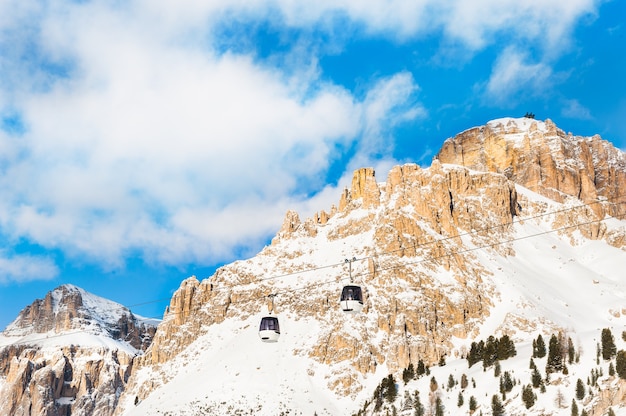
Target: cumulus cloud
137 136
513 74
23 268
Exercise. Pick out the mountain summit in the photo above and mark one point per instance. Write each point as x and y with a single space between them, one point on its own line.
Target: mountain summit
69 353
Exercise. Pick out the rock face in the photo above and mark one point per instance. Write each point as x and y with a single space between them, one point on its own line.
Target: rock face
544 159
72 354
413 308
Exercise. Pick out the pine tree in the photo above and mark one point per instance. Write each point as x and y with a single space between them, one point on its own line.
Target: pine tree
608 344
611 369
571 351
539 347
473 404
506 348
497 369
407 402
459 400
421 368
390 388
620 364
506 382
528 396
611 412
497 408
580 390
417 404
489 352
439 408
536 378
574 408
451 381
555 359
584 413
408 373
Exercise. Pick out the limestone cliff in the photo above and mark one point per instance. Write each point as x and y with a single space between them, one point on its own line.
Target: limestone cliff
70 353
413 238
543 158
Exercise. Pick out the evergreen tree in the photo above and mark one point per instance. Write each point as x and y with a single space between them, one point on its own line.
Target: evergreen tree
421 368
390 388
580 390
473 404
608 344
539 347
555 359
476 353
536 378
407 403
611 412
559 399
489 352
620 364
497 369
611 369
459 400
574 408
417 404
528 396
378 398
571 351
506 348
439 408
451 381
506 382
408 373
584 413
497 408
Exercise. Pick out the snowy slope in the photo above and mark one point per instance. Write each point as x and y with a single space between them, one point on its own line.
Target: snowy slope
549 285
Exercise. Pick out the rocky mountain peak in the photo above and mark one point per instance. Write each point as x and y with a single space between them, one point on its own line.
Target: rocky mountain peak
70 308
543 158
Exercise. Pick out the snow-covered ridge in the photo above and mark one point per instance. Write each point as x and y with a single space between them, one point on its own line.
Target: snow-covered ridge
71 315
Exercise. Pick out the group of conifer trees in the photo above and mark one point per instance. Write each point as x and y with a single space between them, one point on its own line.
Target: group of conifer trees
560 353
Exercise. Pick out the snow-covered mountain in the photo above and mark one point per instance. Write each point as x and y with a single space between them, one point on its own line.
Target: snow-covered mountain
516 230
447 256
69 353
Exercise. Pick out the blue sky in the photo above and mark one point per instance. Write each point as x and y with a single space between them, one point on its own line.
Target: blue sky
142 142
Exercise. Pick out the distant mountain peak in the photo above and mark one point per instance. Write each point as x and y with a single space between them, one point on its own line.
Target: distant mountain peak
69 308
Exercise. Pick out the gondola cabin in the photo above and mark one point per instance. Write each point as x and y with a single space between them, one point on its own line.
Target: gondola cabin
269 330
352 299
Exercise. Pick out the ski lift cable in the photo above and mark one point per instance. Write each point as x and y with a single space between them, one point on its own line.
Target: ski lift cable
334 280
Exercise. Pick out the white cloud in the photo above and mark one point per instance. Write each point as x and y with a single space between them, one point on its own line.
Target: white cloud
141 138
23 268
168 150
574 109
513 75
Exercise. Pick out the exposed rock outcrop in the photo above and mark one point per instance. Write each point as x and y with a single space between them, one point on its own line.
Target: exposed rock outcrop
73 354
543 158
